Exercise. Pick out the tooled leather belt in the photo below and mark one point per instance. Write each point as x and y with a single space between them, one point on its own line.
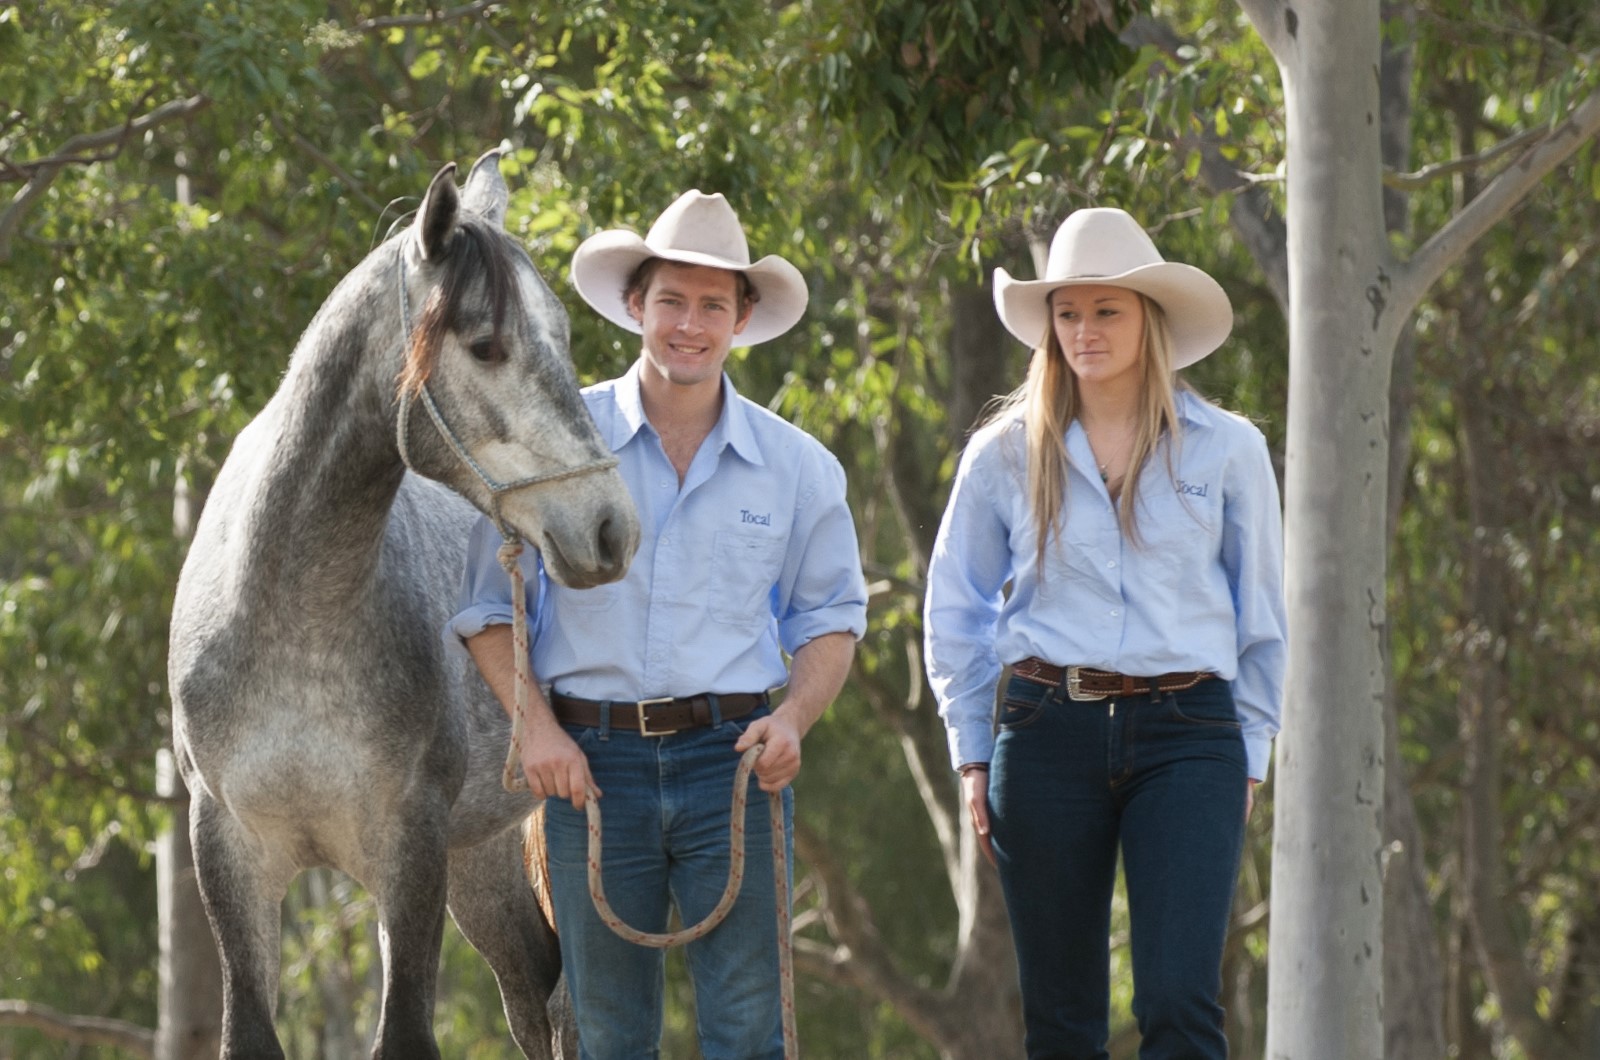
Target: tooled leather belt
1087 683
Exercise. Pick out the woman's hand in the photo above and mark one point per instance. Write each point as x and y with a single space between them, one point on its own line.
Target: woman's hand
975 790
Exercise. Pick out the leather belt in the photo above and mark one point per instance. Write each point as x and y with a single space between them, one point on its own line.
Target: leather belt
1086 684
656 717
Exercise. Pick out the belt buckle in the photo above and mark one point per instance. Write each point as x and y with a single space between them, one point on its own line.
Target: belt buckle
1075 690
644 719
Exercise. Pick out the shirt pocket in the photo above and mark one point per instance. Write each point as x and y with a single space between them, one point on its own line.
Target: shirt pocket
744 568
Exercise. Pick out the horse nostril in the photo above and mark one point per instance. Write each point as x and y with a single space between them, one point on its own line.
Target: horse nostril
615 543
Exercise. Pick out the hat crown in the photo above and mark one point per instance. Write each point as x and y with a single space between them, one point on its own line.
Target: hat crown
1099 241
698 223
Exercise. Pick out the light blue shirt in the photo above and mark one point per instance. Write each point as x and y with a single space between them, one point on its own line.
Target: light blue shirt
752 557
1202 590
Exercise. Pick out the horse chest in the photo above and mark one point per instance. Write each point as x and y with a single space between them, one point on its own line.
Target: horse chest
279 731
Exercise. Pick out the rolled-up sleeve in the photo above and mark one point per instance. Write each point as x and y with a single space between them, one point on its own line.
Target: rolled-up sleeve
485 596
822 589
1252 554
967 573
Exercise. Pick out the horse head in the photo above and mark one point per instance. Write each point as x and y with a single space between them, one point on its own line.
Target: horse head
489 401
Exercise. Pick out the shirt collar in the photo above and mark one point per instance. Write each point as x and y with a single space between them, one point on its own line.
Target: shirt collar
1187 403
733 427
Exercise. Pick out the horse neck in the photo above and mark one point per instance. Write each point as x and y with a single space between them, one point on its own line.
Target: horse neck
332 467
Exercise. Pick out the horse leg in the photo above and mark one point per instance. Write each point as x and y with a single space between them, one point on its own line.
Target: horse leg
242 897
409 884
496 910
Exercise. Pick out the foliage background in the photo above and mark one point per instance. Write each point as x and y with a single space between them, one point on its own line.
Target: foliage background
186 180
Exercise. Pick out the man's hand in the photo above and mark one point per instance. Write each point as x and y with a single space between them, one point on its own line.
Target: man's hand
779 763
556 768
554 764
819 668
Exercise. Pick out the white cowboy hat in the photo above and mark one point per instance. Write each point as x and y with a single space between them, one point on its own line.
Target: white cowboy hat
697 229
1103 245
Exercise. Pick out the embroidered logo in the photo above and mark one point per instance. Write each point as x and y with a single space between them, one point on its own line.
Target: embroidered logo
747 516
1190 489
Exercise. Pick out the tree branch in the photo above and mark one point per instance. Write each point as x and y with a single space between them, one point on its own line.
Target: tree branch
1252 213
1428 174
430 18
859 957
1413 279
82 150
1272 21
1254 218
321 158
80 1030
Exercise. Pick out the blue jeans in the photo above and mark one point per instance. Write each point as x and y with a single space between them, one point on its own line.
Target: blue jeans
1163 780
665 816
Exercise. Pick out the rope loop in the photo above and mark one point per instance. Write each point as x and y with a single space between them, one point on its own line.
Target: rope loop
730 893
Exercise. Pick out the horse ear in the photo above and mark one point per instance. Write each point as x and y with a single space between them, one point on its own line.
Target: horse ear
436 221
485 192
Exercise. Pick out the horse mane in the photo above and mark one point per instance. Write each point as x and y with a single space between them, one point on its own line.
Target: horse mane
475 250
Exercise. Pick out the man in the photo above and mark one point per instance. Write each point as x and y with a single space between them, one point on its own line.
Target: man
658 683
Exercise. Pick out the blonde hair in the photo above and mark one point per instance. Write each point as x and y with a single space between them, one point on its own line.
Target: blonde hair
1049 401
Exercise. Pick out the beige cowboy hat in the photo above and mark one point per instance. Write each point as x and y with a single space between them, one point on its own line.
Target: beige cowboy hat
697 229
1103 245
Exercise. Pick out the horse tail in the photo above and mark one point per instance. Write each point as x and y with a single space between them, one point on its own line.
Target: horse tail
536 863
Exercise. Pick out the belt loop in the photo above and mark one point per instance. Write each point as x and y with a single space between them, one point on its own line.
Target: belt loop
716 710
605 719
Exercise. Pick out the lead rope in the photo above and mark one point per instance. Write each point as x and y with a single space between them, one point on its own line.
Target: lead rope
513 779
780 873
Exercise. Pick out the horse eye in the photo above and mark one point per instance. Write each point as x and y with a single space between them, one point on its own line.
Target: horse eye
487 351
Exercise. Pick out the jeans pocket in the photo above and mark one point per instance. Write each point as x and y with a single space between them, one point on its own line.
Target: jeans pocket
1022 704
731 729
587 737
1209 703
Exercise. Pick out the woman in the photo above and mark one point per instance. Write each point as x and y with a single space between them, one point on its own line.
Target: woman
1139 531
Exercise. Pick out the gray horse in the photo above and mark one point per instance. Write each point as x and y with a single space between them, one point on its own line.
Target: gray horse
318 718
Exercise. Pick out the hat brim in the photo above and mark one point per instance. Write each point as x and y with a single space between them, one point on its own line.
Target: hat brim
1199 315
603 264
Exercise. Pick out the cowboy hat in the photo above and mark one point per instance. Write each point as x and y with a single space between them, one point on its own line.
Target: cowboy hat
697 229
1103 245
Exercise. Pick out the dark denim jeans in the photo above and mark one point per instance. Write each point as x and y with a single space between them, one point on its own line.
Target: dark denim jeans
1162 780
666 814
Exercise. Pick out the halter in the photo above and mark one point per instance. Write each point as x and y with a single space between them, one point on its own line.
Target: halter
495 487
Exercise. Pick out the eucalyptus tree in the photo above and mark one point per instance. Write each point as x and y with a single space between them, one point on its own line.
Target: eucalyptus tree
1349 298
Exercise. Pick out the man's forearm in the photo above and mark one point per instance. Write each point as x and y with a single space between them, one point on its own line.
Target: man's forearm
818 672
495 652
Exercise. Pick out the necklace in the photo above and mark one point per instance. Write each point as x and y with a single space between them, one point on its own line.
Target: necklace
1113 453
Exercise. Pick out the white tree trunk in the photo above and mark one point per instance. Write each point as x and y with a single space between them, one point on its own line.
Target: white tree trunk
1325 962
1348 303
189 999
190 1004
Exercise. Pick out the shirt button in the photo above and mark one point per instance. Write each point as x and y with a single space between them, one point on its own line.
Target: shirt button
1110 564
1115 612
